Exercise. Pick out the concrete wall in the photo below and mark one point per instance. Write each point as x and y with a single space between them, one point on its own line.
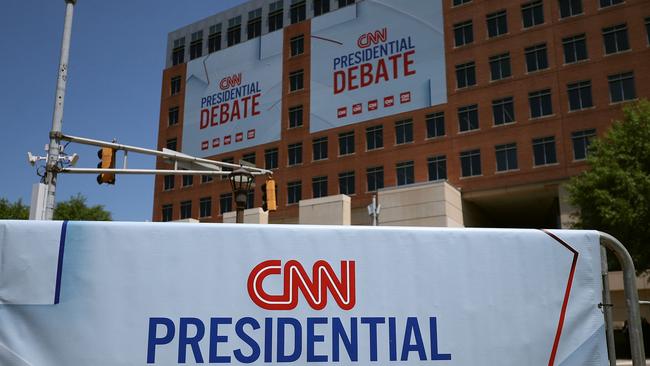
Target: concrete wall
330 210
429 204
251 216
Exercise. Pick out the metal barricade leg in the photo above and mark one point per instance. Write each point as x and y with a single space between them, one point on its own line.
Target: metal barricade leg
607 308
631 297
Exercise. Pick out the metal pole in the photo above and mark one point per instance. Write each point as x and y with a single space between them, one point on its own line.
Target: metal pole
631 296
374 210
240 201
607 307
57 118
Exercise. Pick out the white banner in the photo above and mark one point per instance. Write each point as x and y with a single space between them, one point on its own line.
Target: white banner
170 294
233 98
377 59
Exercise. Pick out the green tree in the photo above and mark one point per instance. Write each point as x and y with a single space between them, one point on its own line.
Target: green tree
13 211
614 194
75 209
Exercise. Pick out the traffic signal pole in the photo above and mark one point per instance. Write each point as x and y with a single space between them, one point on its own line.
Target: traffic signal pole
57 118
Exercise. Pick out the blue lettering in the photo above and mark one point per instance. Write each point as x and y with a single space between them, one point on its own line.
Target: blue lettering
313 338
433 330
255 348
392 339
372 332
350 343
413 329
268 339
153 340
215 339
297 340
193 342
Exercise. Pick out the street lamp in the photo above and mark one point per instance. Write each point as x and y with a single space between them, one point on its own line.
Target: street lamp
240 181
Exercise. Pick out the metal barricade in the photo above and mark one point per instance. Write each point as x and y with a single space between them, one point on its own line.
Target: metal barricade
631 300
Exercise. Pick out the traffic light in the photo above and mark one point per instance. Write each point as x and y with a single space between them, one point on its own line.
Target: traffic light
268 196
106 157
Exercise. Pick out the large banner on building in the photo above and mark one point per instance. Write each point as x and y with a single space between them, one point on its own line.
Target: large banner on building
168 294
233 98
379 58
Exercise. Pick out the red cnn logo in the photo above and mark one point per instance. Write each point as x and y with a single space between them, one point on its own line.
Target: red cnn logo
368 39
342 112
296 279
230 81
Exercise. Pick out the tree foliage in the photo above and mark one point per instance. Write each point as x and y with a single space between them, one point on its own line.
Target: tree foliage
13 211
614 194
74 209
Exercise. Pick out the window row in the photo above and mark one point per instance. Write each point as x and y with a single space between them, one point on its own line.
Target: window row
536 56
253 27
532 14
506 157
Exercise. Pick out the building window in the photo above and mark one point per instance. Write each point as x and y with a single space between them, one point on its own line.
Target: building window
463 33
437 167
168 182
346 183
206 179
405 173
465 75
205 207
375 178
186 210
321 7
172 116
459 2
188 180
647 29
606 3
615 39
319 146
544 151
234 31
298 11
319 186
250 199
227 169
346 143
532 13
214 39
249 158
581 141
570 8
404 131
295 154
506 155
344 3
468 118
295 116
435 124
621 87
470 163
500 66
225 203
296 80
178 52
540 103
167 213
175 86
297 45
294 192
536 58
497 23
374 137
503 111
196 46
575 48
271 159
276 13
254 27
172 144
580 95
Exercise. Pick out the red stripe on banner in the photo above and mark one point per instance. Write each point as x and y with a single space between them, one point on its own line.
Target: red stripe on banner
567 292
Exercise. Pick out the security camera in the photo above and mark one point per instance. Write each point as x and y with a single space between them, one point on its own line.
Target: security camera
31 158
74 159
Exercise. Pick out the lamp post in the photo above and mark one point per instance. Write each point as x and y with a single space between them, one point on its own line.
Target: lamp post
240 181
